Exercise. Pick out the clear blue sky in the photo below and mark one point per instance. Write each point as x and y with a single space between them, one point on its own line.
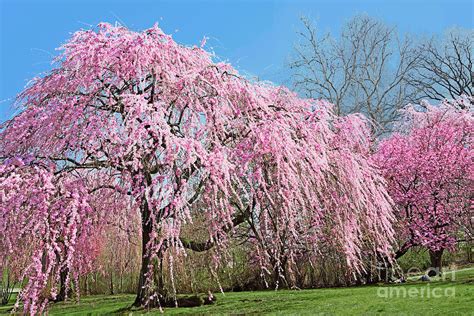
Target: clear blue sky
255 36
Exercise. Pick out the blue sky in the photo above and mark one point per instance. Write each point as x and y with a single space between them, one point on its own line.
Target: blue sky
257 37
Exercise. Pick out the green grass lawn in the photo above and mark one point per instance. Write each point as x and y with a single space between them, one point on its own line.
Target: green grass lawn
453 296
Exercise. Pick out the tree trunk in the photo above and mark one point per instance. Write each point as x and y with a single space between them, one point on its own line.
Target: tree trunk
469 252
280 277
147 228
436 262
111 282
403 250
121 282
62 286
88 290
96 282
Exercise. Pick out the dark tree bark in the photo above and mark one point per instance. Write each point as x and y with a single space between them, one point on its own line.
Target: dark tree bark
147 228
401 252
62 286
436 262
143 289
111 283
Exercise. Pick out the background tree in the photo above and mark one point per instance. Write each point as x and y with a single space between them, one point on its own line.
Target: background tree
365 69
428 166
446 70
54 217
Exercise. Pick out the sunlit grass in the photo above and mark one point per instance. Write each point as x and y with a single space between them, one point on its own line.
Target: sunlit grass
352 300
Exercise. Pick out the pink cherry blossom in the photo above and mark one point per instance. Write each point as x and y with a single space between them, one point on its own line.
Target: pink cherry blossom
133 124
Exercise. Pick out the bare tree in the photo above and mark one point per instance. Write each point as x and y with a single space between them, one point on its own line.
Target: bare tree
365 69
446 66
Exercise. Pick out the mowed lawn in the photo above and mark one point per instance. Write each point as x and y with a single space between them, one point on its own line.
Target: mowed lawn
439 297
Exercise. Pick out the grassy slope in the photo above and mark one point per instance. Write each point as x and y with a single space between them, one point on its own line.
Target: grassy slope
354 300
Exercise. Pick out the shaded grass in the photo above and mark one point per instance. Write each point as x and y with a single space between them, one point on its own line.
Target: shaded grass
333 301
